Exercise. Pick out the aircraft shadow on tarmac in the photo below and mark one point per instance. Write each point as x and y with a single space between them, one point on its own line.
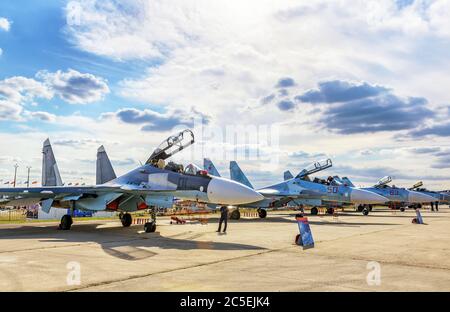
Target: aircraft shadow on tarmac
123 243
291 219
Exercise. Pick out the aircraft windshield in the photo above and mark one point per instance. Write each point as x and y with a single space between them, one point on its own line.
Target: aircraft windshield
417 185
192 169
171 146
384 181
315 167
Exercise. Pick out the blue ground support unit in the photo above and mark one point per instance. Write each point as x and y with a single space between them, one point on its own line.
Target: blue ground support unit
419 217
305 237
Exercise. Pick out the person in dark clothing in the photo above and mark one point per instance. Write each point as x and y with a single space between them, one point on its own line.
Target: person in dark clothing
432 206
436 204
223 218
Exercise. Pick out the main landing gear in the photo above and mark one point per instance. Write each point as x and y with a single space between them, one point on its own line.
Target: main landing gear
66 223
149 227
235 214
126 219
66 220
262 213
365 209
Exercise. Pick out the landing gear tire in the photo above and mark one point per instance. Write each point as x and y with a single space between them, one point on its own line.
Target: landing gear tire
66 223
150 227
126 220
360 208
330 211
296 238
402 209
262 213
314 211
365 211
235 215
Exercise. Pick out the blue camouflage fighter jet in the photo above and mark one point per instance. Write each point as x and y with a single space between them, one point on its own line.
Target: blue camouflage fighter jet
302 188
152 185
397 197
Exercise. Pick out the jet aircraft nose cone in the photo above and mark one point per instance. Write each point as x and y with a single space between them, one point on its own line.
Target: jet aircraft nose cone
228 192
359 196
419 198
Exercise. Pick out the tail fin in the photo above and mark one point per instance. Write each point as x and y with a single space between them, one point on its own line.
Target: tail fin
347 181
288 175
237 175
209 166
105 171
50 171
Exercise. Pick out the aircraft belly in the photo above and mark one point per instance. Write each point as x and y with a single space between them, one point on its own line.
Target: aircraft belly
96 204
191 195
160 201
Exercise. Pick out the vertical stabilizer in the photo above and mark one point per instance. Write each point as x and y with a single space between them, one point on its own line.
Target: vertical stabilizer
50 171
288 175
237 175
105 171
209 166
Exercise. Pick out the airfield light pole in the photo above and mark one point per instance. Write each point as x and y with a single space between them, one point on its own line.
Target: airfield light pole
15 173
28 179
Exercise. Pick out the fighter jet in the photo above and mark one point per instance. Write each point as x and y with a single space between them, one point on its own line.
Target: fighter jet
439 196
151 185
302 188
398 197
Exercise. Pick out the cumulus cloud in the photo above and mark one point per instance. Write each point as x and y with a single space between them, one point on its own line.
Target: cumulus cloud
285 83
44 116
365 108
336 91
155 121
71 86
75 87
5 24
77 142
286 105
16 91
387 113
439 130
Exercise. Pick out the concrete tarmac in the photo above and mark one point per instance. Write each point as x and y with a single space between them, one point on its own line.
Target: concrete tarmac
255 255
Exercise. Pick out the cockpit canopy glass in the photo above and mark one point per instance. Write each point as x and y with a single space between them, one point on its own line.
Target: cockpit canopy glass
315 167
383 181
171 146
192 169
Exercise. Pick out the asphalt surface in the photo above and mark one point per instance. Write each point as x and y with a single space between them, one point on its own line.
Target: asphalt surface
380 252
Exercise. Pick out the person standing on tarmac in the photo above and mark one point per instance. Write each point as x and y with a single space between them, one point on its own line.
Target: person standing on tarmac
223 218
436 204
432 206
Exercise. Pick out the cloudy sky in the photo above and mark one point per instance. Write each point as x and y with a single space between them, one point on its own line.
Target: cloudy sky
363 82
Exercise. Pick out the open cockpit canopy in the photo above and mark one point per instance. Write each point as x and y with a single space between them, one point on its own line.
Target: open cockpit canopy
315 167
171 146
417 185
384 181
